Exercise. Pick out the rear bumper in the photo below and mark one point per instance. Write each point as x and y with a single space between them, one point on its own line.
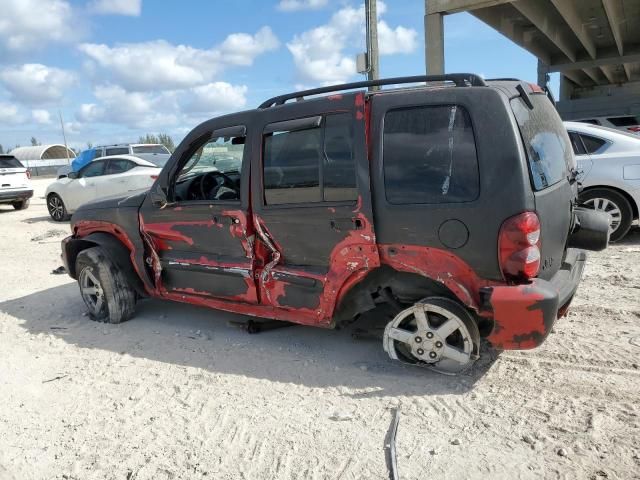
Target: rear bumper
523 315
17 194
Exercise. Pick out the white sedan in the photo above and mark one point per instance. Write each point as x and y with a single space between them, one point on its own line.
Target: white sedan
609 165
103 177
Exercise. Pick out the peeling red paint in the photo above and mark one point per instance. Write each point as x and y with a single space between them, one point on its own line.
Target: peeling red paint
335 97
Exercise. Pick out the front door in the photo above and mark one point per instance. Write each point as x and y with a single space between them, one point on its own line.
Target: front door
202 236
82 189
312 205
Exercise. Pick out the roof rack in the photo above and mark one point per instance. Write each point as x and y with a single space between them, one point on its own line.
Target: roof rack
460 80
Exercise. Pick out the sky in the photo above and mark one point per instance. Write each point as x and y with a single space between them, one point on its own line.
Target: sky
118 69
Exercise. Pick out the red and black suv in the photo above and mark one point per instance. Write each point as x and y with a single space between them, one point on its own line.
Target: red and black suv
448 206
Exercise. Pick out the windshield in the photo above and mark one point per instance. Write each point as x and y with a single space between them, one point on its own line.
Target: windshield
545 139
10 162
151 149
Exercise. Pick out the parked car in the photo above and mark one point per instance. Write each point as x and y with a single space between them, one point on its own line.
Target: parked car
626 123
103 177
155 153
15 184
449 211
610 164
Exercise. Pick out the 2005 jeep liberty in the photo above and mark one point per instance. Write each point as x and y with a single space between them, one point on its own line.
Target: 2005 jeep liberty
448 206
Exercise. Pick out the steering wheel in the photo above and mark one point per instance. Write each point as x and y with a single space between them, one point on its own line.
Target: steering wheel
209 185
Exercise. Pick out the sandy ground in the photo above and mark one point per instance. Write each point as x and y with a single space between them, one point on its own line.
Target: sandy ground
178 393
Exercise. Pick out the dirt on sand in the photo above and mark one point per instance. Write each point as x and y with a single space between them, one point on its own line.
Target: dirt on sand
178 393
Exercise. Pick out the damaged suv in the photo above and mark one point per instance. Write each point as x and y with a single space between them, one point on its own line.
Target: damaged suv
449 208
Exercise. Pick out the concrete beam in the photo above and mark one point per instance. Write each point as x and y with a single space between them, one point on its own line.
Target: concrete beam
570 15
593 74
627 70
455 6
534 12
434 43
615 15
608 72
575 77
513 32
610 57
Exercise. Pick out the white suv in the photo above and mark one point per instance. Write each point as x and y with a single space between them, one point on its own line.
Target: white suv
15 186
626 123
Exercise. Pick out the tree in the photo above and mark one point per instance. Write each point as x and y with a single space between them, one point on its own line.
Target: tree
1 149
162 138
89 145
34 142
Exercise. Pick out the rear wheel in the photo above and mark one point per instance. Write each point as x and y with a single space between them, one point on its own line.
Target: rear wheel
56 208
437 333
105 290
21 205
613 203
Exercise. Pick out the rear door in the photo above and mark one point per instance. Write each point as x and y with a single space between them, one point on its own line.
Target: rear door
13 175
312 204
550 159
203 238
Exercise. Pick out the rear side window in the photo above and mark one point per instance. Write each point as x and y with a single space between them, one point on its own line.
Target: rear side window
150 149
10 162
546 141
117 151
576 144
310 165
429 155
592 144
119 165
623 121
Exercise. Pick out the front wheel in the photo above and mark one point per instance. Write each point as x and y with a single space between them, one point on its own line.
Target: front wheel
105 290
21 205
613 203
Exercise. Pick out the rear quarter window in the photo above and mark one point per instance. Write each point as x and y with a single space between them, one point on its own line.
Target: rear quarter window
429 155
10 162
549 153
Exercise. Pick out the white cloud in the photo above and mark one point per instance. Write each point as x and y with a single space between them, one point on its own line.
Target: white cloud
319 54
42 117
159 65
30 24
217 97
294 5
34 83
131 8
9 114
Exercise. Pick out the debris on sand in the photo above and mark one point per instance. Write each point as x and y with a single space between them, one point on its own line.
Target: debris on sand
59 271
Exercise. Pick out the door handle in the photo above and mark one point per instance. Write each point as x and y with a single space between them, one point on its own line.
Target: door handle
340 224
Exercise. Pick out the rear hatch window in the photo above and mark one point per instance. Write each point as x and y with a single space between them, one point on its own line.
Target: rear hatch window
545 139
10 162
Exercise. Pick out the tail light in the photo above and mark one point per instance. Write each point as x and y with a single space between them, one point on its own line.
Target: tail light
28 174
519 247
634 129
154 177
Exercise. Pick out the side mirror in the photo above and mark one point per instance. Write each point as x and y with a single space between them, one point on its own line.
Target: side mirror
158 196
72 175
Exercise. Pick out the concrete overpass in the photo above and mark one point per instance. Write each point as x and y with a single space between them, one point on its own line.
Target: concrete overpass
594 44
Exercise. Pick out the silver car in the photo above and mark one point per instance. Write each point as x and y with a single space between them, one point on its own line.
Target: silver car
609 162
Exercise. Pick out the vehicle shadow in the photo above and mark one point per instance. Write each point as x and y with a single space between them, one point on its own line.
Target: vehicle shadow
191 336
44 218
632 237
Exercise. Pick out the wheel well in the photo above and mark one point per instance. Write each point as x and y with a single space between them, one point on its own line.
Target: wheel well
406 288
114 248
634 206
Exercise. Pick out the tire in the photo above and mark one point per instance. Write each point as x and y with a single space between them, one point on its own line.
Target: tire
114 300
56 208
614 203
21 205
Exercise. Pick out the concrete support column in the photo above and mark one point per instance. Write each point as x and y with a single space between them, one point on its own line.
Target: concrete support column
543 74
434 42
566 88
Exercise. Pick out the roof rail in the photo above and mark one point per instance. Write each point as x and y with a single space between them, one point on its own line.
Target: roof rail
460 80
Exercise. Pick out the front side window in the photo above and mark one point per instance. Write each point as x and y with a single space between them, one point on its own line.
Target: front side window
212 171
429 155
310 165
546 141
94 169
